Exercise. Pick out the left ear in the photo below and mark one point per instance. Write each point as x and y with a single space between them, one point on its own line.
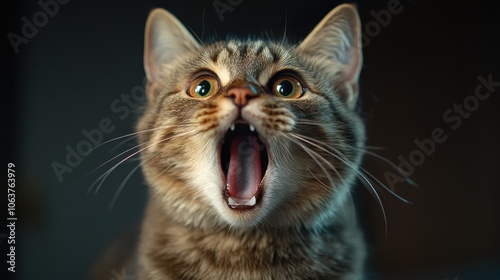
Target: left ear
336 43
165 40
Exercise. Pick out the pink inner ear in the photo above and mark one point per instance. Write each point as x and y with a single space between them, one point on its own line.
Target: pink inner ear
351 71
337 39
165 40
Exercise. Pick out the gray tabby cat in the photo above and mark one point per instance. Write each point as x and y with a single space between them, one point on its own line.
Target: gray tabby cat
250 150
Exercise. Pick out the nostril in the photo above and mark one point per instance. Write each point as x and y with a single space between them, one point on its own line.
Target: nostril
241 95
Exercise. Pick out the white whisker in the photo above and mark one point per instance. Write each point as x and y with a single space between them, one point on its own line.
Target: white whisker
135 134
326 147
321 182
120 188
103 177
121 144
120 137
346 162
284 31
113 158
315 157
384 186
122 185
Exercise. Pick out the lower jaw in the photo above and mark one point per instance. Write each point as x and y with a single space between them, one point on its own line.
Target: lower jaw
247 204
242 203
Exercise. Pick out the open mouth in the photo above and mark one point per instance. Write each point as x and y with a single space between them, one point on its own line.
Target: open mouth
244 160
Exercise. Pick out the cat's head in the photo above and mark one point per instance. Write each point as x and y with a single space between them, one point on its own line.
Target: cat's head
252 132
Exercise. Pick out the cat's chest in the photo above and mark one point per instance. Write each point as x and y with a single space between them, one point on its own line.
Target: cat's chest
184 254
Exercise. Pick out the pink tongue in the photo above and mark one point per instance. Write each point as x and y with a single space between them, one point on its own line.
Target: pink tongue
244 174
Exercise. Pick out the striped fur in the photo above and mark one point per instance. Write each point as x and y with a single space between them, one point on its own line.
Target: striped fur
304 226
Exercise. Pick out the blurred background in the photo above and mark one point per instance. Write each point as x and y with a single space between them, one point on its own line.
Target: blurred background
431 69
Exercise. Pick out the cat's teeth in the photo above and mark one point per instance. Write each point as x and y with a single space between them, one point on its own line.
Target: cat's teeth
232 127
252 128
242 202
252 201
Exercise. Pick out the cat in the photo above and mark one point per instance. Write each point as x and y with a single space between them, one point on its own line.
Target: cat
250 149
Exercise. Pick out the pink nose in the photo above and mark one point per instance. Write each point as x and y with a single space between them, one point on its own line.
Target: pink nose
241 95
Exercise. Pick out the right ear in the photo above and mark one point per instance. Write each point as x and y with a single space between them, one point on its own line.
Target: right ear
165 40
336 42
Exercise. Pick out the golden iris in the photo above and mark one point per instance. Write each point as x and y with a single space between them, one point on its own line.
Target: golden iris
287 87
203 86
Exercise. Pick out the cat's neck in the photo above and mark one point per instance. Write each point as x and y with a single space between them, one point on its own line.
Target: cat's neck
169 247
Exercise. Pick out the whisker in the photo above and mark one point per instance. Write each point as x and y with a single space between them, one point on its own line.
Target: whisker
346 162
103 177
120 137
163 171
385 160
120 188
203 23
196 35
134 134
321 182
375 194
122 185
375 148
131 134
284 30
373 177
113 158
315 156
121 144
365 150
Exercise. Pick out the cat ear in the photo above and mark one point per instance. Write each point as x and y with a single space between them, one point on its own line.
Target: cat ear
165 39
336 44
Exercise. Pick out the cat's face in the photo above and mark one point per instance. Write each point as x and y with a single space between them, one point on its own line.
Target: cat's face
243 133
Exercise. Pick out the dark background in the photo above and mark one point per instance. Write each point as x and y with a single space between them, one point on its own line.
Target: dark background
416 67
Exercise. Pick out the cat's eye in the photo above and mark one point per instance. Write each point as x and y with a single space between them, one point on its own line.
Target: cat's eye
287 87
203 86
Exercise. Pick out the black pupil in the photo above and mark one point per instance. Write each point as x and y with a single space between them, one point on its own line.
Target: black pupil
285 88
203 88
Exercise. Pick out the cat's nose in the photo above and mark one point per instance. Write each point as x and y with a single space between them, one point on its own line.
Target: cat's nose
241 95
